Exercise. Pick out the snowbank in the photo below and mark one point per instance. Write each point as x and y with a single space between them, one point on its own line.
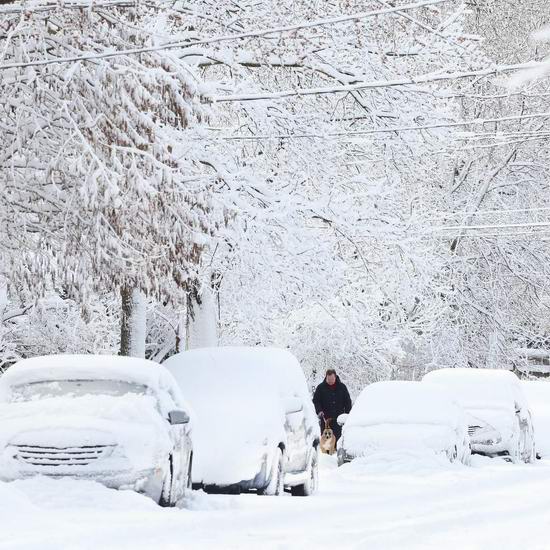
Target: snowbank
393 501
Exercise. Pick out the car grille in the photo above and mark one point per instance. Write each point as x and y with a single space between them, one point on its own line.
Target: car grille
61 456
473 429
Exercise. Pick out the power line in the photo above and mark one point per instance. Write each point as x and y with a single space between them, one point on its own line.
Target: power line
491 226
521 234
477 147
483 212
225 38
473 122
421 79
481 137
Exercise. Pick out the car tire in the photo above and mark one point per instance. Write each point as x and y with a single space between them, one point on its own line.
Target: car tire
189 483
310 486
517 456
167 497
532 456
454 455
468 457
275 485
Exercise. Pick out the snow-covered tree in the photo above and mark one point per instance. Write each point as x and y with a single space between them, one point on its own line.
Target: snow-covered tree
336 260
310 181
499 205
105 186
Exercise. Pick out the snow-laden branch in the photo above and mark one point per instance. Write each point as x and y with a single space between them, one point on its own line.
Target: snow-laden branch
8 316
420 79
79 5
262 33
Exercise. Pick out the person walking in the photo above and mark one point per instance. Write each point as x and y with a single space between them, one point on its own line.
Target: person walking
331 399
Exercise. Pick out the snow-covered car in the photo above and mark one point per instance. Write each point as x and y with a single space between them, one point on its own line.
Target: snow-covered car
117 420
538 397
398 415
255 427
499 418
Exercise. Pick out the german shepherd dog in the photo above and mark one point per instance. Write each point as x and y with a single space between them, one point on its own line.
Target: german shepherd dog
328 439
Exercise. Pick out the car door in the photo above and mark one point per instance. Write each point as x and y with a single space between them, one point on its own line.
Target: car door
180 434
295 427
526 431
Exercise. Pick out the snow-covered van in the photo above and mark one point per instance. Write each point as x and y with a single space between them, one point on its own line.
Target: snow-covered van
498 414
117 420
404 416
255 427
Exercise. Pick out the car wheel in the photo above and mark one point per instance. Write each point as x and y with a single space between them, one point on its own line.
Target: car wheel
167 497
532 456
454 454
190 472
340 457
517 456
468 456
310 486
275 485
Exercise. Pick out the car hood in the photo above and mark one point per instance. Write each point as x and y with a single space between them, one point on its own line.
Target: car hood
130 422
360 441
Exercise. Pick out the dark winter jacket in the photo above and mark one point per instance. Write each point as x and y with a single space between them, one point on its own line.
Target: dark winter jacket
332 400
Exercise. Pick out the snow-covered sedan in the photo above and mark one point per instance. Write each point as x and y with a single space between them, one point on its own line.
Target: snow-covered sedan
116 420
255 427
498 414
404 416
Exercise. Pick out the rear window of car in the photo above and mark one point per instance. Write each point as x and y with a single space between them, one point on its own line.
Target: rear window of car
46 389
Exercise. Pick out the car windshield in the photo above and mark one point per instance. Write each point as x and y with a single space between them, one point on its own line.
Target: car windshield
75 388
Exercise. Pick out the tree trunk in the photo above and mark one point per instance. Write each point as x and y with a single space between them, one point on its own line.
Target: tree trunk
132 323
202 320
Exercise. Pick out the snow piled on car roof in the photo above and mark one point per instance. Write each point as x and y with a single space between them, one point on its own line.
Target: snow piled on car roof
264 370
399 402
480 388
84 367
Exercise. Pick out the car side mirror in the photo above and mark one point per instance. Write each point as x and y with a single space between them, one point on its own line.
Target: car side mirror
341 420
293 405
178 417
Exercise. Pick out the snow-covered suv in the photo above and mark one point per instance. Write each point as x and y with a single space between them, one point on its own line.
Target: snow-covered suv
116 420
255 427
499 417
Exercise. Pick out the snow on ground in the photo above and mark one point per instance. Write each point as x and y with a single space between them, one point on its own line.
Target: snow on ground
392 502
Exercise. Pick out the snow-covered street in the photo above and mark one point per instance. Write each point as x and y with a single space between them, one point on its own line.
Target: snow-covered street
401 502
238 235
